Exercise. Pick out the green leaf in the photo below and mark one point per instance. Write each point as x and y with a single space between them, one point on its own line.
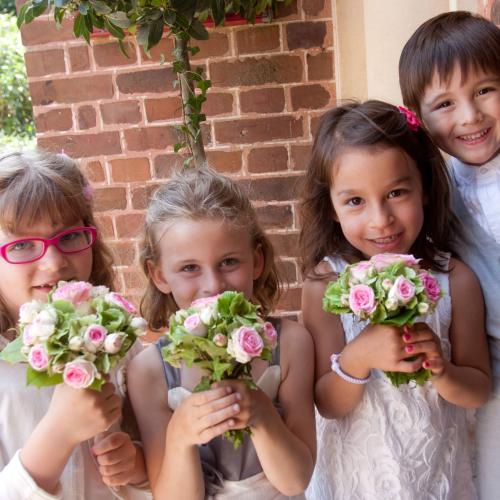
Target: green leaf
114 30
12 351
155 33
100 7
119 19
143 35
197 30
218 11
42 379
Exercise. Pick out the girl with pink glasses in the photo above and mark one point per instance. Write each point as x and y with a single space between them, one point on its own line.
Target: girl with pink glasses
48 234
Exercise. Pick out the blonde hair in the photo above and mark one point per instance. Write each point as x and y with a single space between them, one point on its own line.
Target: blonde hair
198 194
37 184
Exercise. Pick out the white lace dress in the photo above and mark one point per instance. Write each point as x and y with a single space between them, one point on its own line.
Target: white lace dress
401 444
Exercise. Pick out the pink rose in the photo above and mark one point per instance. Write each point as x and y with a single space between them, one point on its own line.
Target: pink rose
204 301
402 291
220 340
361 271
38 358
195 326
114 342
383 260
116 299
79 373
245 343
362 300
94 337
270 335
75 292
431 286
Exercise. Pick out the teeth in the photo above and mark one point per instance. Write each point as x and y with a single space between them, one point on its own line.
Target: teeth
387 239
474 137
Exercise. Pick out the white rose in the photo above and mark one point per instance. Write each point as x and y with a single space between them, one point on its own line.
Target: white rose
140 325
195 326
28 311
391 304
207 314
75 343
114 342
99 291
423 308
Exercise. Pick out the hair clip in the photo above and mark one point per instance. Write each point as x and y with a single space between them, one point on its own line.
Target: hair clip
411 118
88 192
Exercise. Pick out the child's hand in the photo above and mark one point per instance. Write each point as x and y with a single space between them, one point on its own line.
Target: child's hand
421 341
80 414
203 416
116 455
254 404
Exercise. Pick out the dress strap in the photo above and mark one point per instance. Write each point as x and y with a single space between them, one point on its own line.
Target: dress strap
172 374
336 263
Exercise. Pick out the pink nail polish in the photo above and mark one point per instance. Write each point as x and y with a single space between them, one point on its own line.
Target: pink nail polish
426 364
407 337
409 348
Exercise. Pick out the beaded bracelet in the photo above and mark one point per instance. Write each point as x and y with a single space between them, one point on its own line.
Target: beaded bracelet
343 375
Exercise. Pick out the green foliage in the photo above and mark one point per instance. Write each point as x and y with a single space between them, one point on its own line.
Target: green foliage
16 114
7 7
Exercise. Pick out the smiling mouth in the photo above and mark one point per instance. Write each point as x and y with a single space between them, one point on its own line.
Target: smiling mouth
473 138
386 240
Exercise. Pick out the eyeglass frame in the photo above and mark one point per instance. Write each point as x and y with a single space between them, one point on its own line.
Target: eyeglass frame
47 242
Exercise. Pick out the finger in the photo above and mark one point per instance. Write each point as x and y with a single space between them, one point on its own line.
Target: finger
216 417
119 479
436 365
110 442
429 347
114 469
216 430
406 366
201 398
219 404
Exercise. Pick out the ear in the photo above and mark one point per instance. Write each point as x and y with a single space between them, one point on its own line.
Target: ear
156 274
258 262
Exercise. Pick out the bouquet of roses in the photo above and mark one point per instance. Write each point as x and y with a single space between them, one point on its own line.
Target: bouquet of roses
221 335
388 289
76 337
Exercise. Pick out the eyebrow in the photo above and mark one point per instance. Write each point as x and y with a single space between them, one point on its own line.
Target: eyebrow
399 180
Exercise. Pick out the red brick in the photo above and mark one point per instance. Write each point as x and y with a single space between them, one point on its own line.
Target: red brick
141 195
320 66
217 45
146 138
83 145
79 58
225 161
130 170
291 300
152 80
104 224
164 165
300 156
305 35
94 171
257 71
68 90
130 225
86 117
285 245
313 96
109 54
265 38
160 52
275 216
316 8
288 12
165 108
124 253
110 198
218 103
44 30
287 270
267 100
267 159
273 188
258 129
45 62
134 280
121 112
55 119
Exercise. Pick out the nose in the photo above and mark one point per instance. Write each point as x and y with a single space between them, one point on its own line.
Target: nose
470 113
381 216
213 283
53 260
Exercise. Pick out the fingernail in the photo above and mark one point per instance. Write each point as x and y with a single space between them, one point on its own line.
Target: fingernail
236 407
407 336
238 396
406 329
426 364
230 423
409 348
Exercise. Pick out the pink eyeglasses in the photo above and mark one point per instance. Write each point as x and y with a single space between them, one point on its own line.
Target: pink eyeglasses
29 250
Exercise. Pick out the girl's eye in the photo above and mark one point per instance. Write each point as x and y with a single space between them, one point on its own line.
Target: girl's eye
444 104
485 90
395 193
230 261
189 268
354 202
21 246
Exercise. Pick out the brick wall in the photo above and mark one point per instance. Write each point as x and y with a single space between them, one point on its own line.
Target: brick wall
270 84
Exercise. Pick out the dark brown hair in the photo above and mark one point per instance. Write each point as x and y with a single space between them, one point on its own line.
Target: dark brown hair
439 44
36 185
201 194
373 123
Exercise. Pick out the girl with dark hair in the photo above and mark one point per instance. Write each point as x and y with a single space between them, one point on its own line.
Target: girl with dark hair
377 184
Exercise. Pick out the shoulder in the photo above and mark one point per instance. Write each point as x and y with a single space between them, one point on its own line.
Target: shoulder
295 341
147 367
316 283
463 282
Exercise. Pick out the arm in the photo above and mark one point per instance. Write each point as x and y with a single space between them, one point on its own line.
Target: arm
74 416
376 346
465 380
171 440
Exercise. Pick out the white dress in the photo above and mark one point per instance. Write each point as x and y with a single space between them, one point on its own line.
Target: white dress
401 444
